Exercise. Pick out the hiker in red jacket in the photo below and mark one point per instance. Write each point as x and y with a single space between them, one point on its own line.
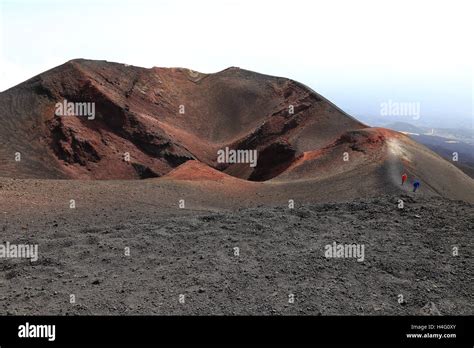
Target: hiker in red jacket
404 178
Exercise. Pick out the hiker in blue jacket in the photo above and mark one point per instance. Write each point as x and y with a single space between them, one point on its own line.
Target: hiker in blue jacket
416 184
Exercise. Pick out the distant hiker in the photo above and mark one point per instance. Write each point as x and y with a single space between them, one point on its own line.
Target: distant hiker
404 178
416 184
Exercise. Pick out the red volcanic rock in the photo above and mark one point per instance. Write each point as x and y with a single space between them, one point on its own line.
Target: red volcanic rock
197 171
161 118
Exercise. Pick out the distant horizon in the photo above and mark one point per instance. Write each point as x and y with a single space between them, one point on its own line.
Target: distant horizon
392 54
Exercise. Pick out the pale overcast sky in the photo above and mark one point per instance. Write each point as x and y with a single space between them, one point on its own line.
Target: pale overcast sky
356 53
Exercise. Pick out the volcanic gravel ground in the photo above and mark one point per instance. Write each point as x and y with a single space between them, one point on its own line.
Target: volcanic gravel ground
281 251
